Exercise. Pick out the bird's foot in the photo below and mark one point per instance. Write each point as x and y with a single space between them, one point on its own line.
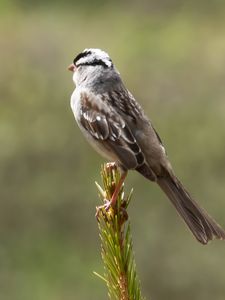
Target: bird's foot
103 208
110 166
107 210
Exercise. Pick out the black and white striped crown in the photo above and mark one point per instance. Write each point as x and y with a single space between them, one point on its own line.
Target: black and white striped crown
93 57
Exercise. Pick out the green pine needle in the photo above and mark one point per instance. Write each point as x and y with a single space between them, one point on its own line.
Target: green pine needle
116 241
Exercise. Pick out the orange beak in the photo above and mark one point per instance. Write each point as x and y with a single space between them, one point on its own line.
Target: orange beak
72 68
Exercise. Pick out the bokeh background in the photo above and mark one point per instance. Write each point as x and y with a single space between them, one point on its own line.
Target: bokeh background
171 55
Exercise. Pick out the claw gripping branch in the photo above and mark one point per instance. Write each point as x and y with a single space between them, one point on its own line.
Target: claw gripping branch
116 241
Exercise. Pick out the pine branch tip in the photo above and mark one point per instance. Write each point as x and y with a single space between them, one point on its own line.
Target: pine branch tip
116 240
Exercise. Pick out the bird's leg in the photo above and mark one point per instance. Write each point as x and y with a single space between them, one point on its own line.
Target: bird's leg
117 189
112 201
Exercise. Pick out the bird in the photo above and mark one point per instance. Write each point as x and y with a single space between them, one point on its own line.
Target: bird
115 124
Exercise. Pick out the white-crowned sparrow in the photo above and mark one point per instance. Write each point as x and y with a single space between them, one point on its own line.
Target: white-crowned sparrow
117 127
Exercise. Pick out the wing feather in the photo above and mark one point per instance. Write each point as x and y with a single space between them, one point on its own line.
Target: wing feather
107 127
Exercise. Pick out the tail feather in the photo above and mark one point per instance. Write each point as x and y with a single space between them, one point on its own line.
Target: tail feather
199 222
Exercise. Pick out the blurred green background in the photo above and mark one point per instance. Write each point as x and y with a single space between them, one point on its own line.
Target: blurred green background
171 55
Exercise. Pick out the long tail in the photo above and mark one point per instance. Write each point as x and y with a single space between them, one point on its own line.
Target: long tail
203 227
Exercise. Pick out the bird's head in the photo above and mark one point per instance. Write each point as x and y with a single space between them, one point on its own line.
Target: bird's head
90 63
